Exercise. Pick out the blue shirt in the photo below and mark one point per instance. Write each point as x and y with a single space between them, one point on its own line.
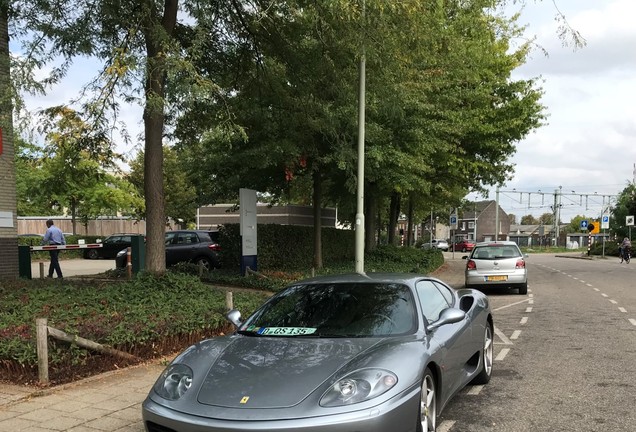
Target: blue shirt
53 236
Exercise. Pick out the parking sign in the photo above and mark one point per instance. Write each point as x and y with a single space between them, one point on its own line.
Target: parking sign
605 222
629 220
453 221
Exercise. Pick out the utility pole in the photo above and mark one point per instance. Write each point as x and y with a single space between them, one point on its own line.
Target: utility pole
360 190
497 215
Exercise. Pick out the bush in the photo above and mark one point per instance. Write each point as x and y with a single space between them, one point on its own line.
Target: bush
146 316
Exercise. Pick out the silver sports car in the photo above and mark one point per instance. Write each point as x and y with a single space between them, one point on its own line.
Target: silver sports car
373 353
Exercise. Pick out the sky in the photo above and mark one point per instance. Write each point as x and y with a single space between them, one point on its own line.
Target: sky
587 148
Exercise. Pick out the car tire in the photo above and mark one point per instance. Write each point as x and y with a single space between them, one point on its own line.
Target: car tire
205 262
523 288
464 250
92 254
427 414
483 377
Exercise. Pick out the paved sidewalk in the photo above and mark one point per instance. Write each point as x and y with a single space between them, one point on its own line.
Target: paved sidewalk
111 401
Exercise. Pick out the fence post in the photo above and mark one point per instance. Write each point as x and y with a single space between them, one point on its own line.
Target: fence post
41 270
42 349
229 300
129 262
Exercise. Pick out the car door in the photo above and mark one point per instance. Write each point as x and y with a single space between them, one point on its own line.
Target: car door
453 338
180 247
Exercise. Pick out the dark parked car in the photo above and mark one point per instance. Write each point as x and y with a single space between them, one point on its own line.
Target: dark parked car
194 246
372 352
111 245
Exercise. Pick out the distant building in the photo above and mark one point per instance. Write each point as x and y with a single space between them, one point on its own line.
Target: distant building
478 224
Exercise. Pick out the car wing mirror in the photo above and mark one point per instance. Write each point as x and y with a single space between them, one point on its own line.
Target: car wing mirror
448 316
234 316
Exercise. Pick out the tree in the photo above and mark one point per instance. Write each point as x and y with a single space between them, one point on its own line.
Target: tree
529 220
625 206
181 198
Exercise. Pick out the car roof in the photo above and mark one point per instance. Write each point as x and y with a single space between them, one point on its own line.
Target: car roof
497 243
403 278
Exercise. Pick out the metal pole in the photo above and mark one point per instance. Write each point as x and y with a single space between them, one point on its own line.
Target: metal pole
360 191
475 221
497 215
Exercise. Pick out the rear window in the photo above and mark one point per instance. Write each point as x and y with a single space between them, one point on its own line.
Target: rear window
492 252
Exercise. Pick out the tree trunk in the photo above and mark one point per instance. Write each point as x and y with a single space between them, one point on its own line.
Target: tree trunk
155 28
371 210
409 227
394 214
317 199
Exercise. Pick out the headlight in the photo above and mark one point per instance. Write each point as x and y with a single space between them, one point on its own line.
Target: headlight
174 382
122 252
359 386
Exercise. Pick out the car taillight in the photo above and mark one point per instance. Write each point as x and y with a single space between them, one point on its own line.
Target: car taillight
470 265
520 264
214 247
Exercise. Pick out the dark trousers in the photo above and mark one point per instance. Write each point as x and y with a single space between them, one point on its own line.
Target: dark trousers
55 263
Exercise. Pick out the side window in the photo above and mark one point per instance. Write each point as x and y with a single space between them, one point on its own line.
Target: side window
191 238
126 239
112 240
431 300
170 238
446 292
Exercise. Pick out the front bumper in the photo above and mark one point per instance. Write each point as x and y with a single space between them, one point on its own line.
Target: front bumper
399 414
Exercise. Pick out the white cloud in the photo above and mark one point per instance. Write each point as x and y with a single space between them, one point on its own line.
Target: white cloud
589 142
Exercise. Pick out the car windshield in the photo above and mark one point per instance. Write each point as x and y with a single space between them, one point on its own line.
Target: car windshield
336 310
495 252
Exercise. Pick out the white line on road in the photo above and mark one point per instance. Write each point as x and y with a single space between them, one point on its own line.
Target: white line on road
530 295
523 320
613 301
475 390
582 281
604 295
515 335
446 425
590 285
502 354
631 320
622 309
596 289
509 305
503 337
528 310
530 301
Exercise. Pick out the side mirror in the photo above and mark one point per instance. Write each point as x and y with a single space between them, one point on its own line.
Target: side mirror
448 316
465 257
234 316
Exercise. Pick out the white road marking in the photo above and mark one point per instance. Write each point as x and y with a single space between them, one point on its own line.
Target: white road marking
530 301
596 289
515 335
502 354
528 310
582 281
475 390
446 425
631 320
622 309
575 278
523 320
590 285
530 295
613 301
604 295
509 305
503 337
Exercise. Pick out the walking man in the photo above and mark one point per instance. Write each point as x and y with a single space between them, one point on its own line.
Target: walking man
54 236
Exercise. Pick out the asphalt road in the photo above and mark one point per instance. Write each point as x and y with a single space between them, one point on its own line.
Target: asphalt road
74 267
565 354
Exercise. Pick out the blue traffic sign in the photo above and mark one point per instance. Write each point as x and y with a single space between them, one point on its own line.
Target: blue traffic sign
583 224
605 218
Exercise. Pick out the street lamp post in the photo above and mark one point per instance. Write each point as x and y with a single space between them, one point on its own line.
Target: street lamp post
360 189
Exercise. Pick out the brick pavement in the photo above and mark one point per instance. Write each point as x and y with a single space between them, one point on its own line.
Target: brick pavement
111 401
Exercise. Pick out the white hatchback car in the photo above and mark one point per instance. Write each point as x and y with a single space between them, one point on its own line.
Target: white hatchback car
436 243
496 264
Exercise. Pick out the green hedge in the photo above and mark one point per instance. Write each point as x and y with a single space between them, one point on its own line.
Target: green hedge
287 247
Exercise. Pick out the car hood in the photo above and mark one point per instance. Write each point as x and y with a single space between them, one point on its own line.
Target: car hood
256 372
